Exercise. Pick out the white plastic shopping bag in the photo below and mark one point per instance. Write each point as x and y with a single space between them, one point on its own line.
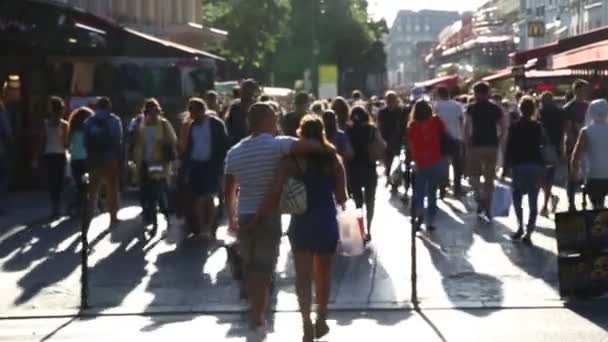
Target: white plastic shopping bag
351 239
501 201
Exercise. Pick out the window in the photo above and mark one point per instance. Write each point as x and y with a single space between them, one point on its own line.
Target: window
427 28
417 28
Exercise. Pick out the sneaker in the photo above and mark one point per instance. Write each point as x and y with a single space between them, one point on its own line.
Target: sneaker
527 239
544 212
517 235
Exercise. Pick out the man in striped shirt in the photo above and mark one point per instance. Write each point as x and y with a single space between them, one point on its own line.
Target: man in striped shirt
251 167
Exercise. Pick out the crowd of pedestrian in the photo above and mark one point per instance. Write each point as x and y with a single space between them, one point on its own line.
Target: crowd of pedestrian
244 155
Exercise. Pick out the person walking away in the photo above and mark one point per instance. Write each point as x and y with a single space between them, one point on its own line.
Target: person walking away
391 125
6 140
576 114
592 143
484 121
424 135
213 104
236 120
318 107
340 106
78 151
251 167
362 175
452 114
54 140
155 147
203 142
525 159
337 136
552 119
314 234
291 121
103 139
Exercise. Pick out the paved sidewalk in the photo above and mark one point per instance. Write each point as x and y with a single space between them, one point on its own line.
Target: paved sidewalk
462 264
530 325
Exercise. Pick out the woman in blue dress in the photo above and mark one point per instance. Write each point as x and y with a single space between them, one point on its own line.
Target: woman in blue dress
314 234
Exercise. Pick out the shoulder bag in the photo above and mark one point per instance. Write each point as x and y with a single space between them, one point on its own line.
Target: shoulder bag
377 145
293 196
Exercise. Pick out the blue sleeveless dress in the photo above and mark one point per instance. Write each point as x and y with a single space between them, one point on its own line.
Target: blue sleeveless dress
316 230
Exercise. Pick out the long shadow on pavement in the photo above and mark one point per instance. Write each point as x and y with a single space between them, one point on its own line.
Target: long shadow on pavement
535 260
115 276
448 248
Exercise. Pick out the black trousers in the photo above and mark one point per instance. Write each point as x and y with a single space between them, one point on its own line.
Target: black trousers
362 182
79 168
55 168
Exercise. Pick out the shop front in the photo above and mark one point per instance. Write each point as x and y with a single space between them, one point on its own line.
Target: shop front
53 49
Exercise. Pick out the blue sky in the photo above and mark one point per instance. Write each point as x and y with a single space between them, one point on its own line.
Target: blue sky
388 8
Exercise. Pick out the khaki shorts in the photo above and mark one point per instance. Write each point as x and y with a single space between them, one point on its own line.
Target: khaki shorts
259 246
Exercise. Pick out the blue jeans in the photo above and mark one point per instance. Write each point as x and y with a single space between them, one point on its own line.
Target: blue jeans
427 180
527 181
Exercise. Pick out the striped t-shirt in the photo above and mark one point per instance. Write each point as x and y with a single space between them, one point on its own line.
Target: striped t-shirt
254 163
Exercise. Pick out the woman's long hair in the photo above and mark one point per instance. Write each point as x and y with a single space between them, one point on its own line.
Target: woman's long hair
342 110
360 116
331 124
77 119
311 127
421 111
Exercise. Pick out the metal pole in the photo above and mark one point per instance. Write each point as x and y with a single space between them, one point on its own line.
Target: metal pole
414 226
86 213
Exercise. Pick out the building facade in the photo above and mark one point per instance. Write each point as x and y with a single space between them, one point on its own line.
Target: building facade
176 20
559 19
409 40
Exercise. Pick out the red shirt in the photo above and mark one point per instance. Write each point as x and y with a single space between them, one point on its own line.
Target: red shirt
424 138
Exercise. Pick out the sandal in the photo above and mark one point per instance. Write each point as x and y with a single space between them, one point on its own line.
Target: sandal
321 328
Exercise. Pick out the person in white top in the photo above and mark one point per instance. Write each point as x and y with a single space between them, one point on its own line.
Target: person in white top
451 113
54 143
591 143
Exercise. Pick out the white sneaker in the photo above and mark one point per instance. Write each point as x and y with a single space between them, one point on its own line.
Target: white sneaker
257 334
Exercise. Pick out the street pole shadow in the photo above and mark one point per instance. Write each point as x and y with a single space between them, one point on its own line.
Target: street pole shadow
179 276
372 283
448 248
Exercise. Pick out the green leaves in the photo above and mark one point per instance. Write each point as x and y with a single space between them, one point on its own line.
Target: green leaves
278 35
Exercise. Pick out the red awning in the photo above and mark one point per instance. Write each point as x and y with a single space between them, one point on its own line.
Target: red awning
585 55
521 57
499 75
447 81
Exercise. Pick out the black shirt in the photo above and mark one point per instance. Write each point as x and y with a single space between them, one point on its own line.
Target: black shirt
524 144
392 125
291 123
236 121
552 118
484 116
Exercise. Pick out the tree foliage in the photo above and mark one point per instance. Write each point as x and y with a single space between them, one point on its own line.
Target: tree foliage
286 37
254 27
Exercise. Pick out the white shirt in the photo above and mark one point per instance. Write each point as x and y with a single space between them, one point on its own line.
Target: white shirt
254 162
452 114
201 141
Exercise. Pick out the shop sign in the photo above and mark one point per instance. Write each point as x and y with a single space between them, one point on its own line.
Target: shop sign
536 29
